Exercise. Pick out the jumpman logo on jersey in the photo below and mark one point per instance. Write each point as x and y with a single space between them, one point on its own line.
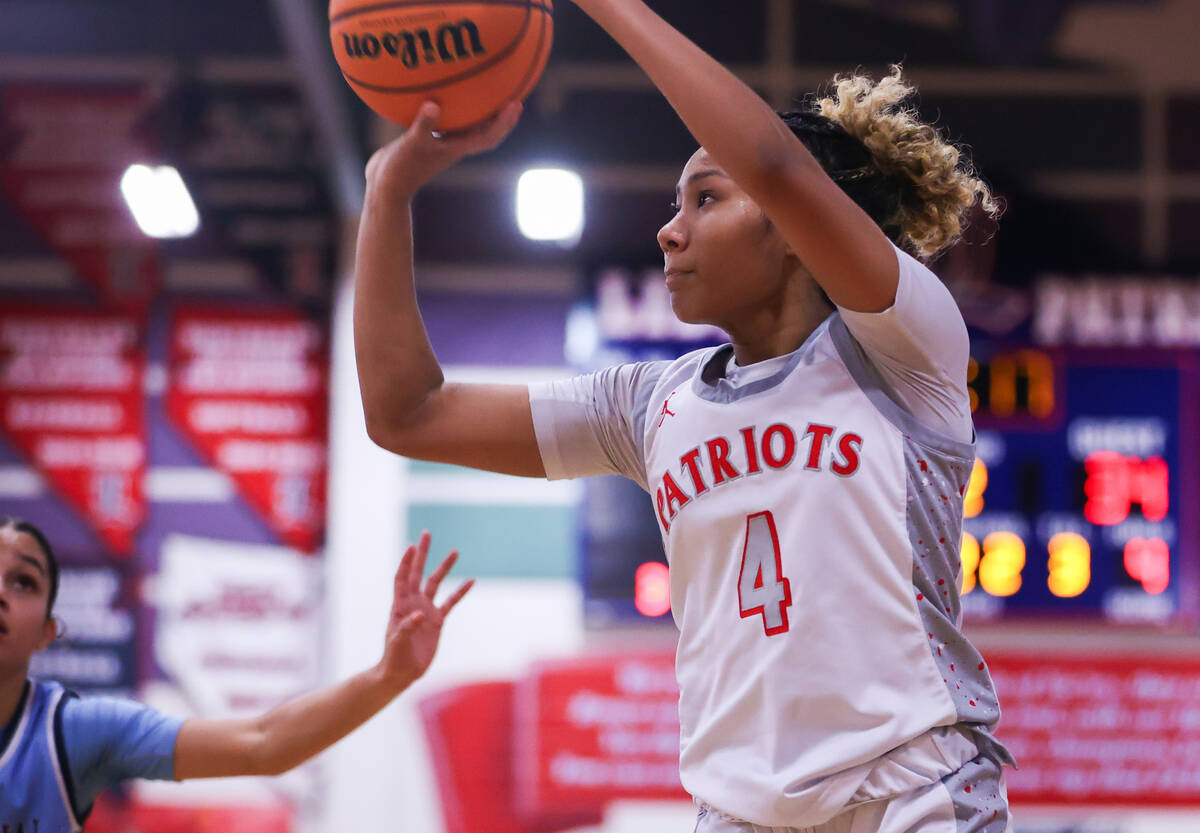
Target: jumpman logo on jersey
666 411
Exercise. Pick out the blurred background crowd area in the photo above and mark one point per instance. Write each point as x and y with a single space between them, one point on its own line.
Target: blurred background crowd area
182 415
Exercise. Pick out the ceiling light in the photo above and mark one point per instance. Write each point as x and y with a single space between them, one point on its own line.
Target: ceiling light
159 201
550 205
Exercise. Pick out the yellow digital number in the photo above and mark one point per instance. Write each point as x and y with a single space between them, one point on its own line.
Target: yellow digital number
1001 564
1070 565
972 375
973 500
995 384
1002 386
970 561
1039 370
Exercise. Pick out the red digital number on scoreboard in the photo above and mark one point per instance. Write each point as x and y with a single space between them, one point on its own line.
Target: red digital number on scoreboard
1117 481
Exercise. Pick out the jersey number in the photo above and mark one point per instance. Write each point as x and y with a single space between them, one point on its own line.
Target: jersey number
762 589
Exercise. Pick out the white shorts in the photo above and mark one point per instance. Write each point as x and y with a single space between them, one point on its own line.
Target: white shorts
972 799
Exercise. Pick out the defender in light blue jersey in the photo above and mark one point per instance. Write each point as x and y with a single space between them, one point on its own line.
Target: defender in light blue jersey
59 751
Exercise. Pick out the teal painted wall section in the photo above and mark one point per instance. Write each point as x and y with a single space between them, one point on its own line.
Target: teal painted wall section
498 541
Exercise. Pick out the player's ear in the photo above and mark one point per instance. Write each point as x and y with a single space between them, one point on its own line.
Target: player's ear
49 633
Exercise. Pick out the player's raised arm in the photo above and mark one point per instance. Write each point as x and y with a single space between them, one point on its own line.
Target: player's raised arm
839 244
290 734
408 408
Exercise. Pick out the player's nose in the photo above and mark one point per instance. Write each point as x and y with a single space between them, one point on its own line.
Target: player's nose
672 237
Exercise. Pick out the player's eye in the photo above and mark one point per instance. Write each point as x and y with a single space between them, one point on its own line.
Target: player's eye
25 582
674 206
703 197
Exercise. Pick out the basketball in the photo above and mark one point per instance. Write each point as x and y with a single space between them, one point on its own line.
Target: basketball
470 57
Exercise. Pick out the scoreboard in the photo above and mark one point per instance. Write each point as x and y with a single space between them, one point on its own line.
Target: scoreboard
1083 497
1084 500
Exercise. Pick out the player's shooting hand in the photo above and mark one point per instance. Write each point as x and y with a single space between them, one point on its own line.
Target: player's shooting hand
415 622
401 167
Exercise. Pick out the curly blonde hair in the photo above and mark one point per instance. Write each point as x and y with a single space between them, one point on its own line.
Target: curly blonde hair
938 183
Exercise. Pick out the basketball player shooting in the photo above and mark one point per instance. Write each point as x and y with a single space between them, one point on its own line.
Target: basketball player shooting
807 477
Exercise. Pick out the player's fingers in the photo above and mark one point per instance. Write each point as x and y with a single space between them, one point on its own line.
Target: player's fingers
456 597
404 571
435 580
418 570
493 133
426 119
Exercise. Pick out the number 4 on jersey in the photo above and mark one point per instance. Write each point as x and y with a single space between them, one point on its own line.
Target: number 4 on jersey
761 585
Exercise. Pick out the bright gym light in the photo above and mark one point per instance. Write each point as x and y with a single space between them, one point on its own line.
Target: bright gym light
159 201
550 205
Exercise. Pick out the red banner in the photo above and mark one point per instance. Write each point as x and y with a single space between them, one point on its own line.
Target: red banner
65 149
1101 730
596 729
71 401
580 733
248 388
471 739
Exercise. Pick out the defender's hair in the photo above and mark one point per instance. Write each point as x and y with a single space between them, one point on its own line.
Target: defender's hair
914 183
51 560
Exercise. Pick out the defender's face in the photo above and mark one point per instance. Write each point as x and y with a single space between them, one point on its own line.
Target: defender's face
722 255
25 627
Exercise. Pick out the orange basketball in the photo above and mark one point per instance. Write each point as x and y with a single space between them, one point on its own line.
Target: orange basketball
470 56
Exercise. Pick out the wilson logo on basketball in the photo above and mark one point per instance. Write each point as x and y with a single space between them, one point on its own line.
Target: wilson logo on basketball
450 42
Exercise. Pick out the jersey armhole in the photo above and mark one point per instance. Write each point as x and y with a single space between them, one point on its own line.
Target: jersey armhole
64 764
871 382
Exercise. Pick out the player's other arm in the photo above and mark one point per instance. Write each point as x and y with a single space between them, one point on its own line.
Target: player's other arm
847 254
294 732
408 407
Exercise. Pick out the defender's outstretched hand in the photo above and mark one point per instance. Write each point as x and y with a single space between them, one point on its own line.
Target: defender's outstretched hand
292 733
402 166
415 623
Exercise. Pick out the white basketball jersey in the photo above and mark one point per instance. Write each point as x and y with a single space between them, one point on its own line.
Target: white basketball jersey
812 527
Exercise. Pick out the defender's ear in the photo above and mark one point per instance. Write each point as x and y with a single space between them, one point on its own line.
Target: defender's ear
49 633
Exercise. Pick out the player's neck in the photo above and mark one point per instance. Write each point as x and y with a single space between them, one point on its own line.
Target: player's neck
777 328
12 686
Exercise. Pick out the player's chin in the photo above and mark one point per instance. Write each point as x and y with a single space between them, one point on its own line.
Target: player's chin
689 308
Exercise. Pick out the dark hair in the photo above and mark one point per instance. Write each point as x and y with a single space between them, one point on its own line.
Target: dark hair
51 561
912 182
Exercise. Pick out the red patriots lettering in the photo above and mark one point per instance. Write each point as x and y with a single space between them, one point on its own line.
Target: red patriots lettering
674 495
718 458
819 433
848 446
751 451
689 460
776 446
789 445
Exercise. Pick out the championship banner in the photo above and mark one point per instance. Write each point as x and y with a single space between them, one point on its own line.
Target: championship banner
597 729
71 402
1101 730
248 388
236 624
68 189
236 629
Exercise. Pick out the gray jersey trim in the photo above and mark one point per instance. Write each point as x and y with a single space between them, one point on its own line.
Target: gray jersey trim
720 391
643 395
872 383
979 798
937 471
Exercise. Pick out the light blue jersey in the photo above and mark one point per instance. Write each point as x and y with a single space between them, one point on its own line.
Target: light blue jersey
59 752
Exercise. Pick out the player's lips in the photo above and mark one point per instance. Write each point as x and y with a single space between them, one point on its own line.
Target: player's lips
676 276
